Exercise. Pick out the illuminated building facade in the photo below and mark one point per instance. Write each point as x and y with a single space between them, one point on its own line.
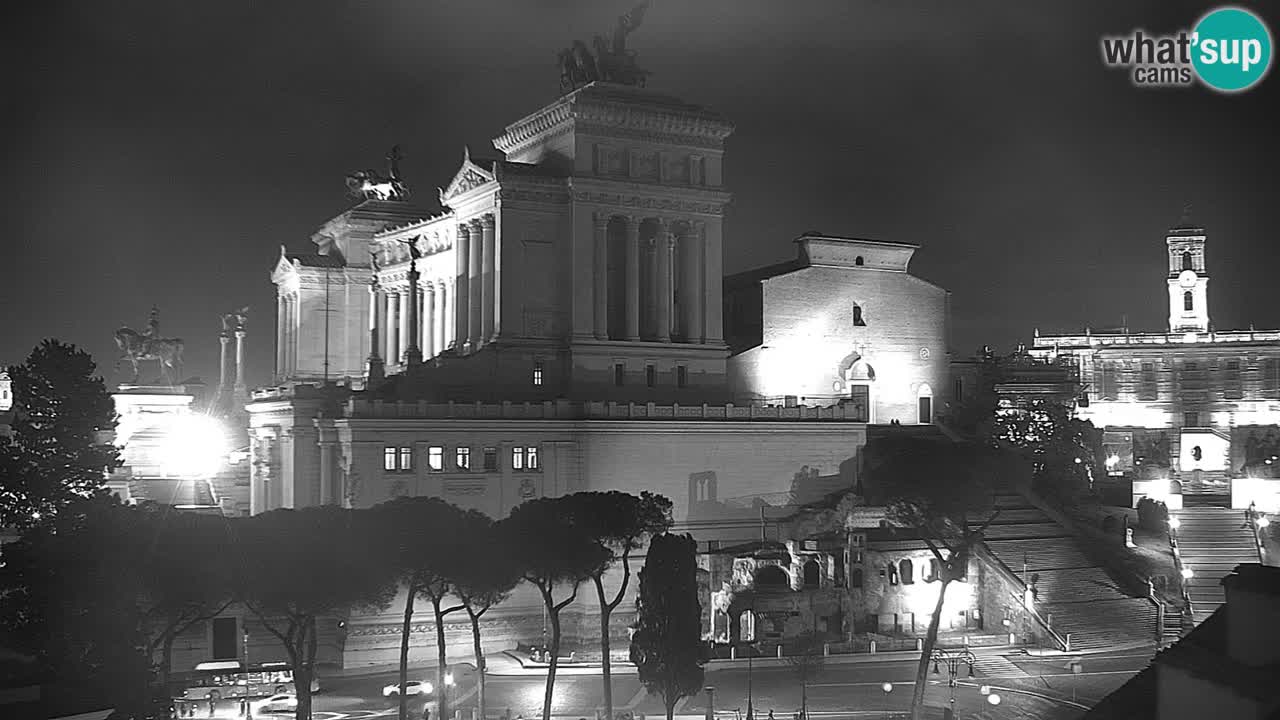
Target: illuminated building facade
845 322
1194 407
560 328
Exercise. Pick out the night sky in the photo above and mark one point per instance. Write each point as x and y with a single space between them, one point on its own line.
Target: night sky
160 152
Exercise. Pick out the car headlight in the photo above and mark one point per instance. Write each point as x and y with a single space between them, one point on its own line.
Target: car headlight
428 687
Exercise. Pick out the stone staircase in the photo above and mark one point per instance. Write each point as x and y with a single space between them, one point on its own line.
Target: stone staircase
1212 541
1205 488
1074 593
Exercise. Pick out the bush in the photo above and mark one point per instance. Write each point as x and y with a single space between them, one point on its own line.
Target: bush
1153 515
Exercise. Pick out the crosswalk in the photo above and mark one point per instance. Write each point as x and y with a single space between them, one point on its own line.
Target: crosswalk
996 667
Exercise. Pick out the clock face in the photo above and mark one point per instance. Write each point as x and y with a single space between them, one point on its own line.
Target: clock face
1187 278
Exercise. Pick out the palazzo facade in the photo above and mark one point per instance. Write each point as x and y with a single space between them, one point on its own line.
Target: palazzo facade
1192 409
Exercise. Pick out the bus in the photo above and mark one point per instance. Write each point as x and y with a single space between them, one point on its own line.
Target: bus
221 689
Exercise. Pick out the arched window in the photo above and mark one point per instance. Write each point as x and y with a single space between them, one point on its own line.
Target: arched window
1187 303
812 574
893 574
771 576
858 261
1186 261
858 321
932 576
855 578
907 570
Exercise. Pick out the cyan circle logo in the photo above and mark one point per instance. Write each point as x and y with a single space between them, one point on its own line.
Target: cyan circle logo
1231 49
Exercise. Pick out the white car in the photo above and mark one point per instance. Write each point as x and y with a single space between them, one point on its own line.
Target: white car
413 687
283 702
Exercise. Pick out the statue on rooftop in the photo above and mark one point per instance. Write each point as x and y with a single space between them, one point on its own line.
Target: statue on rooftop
369 184
611 62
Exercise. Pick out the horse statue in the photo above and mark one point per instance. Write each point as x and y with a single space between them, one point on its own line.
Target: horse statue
370 185
611 61
136 347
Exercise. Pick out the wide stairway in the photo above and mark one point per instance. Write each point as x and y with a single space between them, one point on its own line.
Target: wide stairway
1212 542
1204 488
1074 593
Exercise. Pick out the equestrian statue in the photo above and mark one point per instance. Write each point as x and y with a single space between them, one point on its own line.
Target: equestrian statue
611 61
135 347
370 185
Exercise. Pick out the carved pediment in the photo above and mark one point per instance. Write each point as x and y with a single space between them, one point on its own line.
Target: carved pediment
469 177
283 269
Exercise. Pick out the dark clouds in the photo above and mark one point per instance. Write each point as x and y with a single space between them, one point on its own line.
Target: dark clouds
159 153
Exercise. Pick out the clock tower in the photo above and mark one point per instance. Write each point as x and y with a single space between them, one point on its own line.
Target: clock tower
1188 281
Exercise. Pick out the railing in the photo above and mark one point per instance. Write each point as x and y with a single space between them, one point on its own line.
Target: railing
1047 342
1182 578
573 410
981 550
856 646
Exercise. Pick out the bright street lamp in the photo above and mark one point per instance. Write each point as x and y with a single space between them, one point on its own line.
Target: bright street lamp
1174 523
993 698
1263 521
1187 574
887 688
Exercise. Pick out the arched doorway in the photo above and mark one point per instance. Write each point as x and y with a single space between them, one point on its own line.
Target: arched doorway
924 404
772 577
812 574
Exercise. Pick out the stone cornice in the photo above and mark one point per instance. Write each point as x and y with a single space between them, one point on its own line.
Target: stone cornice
648 201
612 110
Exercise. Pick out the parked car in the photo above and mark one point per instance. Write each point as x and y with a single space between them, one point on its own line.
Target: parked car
279 703
413 687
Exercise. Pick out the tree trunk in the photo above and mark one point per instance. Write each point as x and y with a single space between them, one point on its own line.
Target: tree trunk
302 670
553 614
166 666
442 659
671 708
606 610
804 699
480 665
404 650
931 638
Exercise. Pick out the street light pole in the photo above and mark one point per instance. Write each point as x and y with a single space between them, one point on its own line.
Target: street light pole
711 702
952 659
244 640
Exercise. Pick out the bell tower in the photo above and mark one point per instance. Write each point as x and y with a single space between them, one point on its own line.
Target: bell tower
1188 280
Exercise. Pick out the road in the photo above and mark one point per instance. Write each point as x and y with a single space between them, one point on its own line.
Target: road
1042 688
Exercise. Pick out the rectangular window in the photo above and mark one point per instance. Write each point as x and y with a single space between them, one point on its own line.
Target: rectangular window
491 458
958 390
224 638
682 376
435 458
537 372
524 458
531 458
406 459
1232 387
463 458
1191 419
1271 375
517 458
1148 388
1109 381
389 459
650 375
619 374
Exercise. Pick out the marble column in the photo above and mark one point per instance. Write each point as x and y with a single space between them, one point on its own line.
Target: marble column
394 328
327 471
462 286
430 346
412 319
445 327
475 290
280 340
488 275
662 302
601 310
290 334
374 370
224 379
633 277
693 292
241 391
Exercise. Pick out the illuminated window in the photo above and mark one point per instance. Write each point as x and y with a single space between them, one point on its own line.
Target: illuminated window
537 372
524 458
1147 386
650 375
389 459
1187 303
491 458
462 458
857 316
406 459
435 458
682 376
397 459
619 374
893 575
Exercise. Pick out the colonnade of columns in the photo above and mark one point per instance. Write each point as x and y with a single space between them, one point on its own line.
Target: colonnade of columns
390 313
659 265
477 279
287 320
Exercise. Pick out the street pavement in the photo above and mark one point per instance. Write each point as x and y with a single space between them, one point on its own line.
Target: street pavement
1045 688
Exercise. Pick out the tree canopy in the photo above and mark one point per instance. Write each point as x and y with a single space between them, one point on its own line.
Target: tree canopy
667 646
58 451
